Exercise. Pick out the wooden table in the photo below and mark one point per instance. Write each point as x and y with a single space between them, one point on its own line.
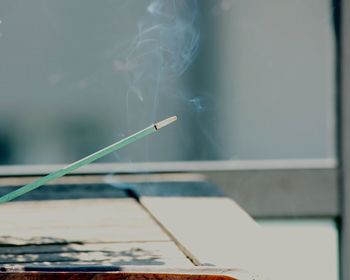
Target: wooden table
182 225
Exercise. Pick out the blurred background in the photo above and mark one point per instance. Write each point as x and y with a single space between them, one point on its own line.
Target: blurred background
247 79
253 83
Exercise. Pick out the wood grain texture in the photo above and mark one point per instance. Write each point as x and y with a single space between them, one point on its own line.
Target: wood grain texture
117 254
136 273
212 231
84 232
120 232
85 220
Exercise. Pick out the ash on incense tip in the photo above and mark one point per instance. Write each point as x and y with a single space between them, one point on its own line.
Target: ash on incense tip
165 122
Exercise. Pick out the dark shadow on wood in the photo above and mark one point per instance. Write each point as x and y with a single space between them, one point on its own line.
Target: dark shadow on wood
63 253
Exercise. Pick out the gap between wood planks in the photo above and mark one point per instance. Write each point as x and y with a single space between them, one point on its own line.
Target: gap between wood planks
178 244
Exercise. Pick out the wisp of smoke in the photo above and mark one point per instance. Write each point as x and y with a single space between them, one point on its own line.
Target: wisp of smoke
165 46
177 35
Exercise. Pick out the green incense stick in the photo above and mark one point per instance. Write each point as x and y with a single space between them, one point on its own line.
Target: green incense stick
86 160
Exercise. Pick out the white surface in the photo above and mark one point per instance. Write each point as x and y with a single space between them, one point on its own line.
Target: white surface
306 249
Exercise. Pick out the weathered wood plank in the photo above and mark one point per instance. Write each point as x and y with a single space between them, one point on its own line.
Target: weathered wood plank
149 253
212 231
85 220
135 274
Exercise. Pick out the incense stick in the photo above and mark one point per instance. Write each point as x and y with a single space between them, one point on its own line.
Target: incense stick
86 160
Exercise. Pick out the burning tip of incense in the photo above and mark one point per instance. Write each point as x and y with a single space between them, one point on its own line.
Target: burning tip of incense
165 122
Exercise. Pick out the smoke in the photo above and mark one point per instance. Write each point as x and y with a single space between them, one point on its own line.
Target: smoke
166 44
176 36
